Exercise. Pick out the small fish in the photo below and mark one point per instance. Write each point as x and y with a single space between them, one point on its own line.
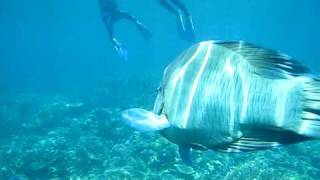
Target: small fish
233 97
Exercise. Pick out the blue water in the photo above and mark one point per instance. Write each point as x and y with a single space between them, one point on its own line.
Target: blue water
62 87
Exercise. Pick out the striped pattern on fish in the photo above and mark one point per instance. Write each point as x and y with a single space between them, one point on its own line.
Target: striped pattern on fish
214 90
232 97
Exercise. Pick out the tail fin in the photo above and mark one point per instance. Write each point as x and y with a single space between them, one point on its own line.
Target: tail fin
310 126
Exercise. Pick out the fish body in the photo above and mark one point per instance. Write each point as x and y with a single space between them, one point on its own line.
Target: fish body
216 93
235 97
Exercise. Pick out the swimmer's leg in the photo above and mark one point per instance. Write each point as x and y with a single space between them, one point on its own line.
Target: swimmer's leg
142 28
169 7
186 21
109 22
181 6
179 15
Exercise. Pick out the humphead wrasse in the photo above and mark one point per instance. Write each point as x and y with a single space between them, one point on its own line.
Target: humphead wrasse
233 97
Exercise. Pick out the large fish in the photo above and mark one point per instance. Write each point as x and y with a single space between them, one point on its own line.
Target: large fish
233 97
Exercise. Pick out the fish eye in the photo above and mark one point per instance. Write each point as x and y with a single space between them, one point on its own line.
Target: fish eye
159 89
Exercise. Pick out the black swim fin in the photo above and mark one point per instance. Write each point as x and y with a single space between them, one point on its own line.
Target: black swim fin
186 28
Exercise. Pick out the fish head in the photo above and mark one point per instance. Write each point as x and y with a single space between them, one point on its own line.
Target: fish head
184 98
173 101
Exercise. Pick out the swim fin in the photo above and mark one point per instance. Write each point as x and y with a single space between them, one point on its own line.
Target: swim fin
186 28
189 31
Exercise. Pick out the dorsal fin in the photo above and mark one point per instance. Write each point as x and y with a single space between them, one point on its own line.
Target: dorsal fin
266 62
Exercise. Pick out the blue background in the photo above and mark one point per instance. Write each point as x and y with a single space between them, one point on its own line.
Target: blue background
56 44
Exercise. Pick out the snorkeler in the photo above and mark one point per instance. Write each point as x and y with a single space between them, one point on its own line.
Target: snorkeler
110 15
185 24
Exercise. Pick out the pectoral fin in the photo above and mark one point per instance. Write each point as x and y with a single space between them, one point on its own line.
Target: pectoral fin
144 121
184 152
